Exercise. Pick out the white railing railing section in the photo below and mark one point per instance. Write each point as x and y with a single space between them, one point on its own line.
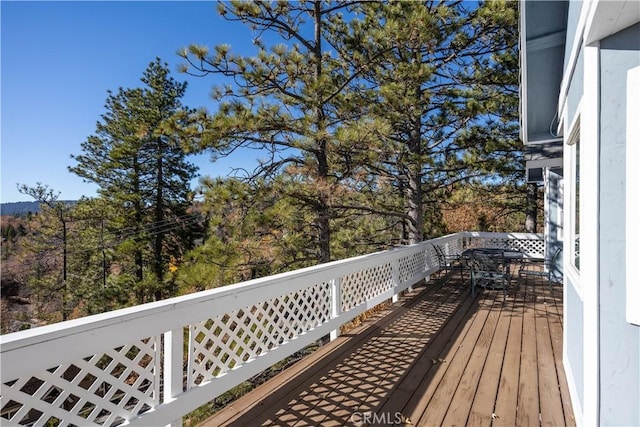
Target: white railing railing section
531 244
152 364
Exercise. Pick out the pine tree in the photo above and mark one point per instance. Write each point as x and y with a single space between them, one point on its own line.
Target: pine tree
51 246
254 230
92 256
493 146
289 99
428 99
137 160
373 112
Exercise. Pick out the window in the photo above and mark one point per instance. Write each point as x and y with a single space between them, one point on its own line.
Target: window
572 234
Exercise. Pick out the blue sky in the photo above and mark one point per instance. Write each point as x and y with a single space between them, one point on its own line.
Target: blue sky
58 59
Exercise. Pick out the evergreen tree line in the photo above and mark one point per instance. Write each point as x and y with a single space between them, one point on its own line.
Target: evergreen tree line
371 120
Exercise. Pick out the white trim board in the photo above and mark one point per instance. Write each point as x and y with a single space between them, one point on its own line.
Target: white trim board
523 72
589 231
576 45
632 196
573 390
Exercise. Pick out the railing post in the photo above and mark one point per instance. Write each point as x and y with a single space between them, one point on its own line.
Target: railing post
336 308
173 375
395 278
426 266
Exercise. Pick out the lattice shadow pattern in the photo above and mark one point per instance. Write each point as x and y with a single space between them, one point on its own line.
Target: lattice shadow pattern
525 245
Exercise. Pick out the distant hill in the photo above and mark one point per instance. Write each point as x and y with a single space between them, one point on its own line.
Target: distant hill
22 208
17 208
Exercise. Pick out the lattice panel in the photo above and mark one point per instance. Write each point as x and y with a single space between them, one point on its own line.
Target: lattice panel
433 257
358 287
528 246
495 243
453 247
225 342
413 265
105 389
474 242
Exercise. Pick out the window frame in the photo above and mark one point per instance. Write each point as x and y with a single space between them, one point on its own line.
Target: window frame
573 228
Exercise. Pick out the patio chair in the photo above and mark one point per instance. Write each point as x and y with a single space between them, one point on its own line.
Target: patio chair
540 267
488 272
449 263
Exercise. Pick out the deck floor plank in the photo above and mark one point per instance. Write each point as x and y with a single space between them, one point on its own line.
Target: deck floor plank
507 397
434 408
260 403
396 347
390 406
424 368
438 357
483 406
462 400
554 319
528 411
551 413
422 395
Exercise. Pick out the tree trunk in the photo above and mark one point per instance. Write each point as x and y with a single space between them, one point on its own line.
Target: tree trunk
323 210
138 259
159 216
531 222
416 214
414 181
404 238
65 297
104 255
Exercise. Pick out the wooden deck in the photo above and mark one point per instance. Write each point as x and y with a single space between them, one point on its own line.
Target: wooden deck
437 357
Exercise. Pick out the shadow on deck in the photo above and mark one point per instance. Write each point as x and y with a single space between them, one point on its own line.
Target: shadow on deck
437 357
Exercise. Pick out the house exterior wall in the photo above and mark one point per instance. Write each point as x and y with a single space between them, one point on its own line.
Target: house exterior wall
619 340
601 345
602 354
541 118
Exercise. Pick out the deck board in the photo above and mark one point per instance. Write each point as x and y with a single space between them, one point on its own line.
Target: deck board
484 399
437 357
507 396
462 399
528 403
551 412
426 366
554 320
456 362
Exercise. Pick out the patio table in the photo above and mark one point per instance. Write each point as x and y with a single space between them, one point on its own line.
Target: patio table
506 255
492 264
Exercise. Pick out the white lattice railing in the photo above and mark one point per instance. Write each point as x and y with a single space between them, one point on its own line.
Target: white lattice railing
531 244
128 366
